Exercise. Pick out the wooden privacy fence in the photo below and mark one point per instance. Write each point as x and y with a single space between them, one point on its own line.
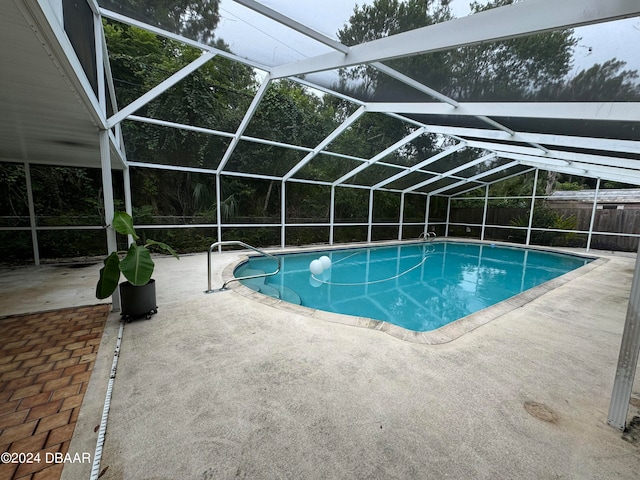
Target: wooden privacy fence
611 221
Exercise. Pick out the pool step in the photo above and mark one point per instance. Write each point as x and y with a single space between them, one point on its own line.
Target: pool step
253 282
290 296
275 291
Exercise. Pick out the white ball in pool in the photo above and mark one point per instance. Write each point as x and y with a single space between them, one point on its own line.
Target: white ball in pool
316 267
326 262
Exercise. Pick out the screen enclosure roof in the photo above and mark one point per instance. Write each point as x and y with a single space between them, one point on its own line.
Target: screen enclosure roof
53 104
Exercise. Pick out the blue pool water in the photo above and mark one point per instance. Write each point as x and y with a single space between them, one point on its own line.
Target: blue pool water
420 286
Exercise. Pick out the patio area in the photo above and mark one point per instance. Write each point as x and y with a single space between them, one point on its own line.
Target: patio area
221 386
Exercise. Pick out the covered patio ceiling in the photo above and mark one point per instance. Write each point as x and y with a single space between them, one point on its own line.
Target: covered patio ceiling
52 114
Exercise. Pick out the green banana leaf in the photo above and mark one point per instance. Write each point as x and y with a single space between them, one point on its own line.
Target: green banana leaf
137 266
164 247
123 224
109 276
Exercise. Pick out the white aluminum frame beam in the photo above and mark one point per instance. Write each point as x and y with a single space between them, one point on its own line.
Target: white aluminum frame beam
606 111
327 140
178 38
516 174
387 151
523 18
475 178
565 157
622 175
602 144
159 89
297 26
451 172
424 163
439 96
248 115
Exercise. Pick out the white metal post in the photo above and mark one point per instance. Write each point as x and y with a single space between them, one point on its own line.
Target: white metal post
218 211
628 357
370 228
32 215
446 227
126 180
533 205
426 213
283 215
484 213
107 189
401 216
593 214
332 214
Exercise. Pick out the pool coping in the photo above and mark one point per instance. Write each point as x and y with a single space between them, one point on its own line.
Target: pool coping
442 335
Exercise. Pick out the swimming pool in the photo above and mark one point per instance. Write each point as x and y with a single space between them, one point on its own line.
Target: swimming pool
417 286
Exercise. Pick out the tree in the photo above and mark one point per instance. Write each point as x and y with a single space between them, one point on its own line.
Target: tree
499 71
196 19
601 82
215 96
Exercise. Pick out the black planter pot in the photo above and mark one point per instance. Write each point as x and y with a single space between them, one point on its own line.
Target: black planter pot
138 301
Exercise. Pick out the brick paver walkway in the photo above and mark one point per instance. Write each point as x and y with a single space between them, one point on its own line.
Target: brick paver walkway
46 360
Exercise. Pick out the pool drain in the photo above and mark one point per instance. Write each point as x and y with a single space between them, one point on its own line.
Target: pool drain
541 412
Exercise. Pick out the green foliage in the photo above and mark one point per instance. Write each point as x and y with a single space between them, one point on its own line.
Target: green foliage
544 217
215 96
601 82
13 183
507 70
572 186
137 265
196 19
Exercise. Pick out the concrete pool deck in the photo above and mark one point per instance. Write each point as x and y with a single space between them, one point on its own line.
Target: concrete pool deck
221 386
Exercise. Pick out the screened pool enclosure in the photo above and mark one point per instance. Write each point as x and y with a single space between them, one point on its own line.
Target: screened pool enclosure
289 123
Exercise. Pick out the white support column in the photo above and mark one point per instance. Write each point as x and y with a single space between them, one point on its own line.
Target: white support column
332 214
628 357
426 213
107 189
484 213
533 205
401 216
283 215
32 214
370 227
218 210
126 178
593 214
446 228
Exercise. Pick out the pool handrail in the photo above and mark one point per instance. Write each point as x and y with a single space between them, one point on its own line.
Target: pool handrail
237 279
427 236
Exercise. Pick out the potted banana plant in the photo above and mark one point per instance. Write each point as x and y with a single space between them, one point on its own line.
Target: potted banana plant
138 293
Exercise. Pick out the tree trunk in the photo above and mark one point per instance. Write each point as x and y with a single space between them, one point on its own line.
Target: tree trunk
267 198
551 182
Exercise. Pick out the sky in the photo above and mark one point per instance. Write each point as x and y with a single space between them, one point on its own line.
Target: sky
251 36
